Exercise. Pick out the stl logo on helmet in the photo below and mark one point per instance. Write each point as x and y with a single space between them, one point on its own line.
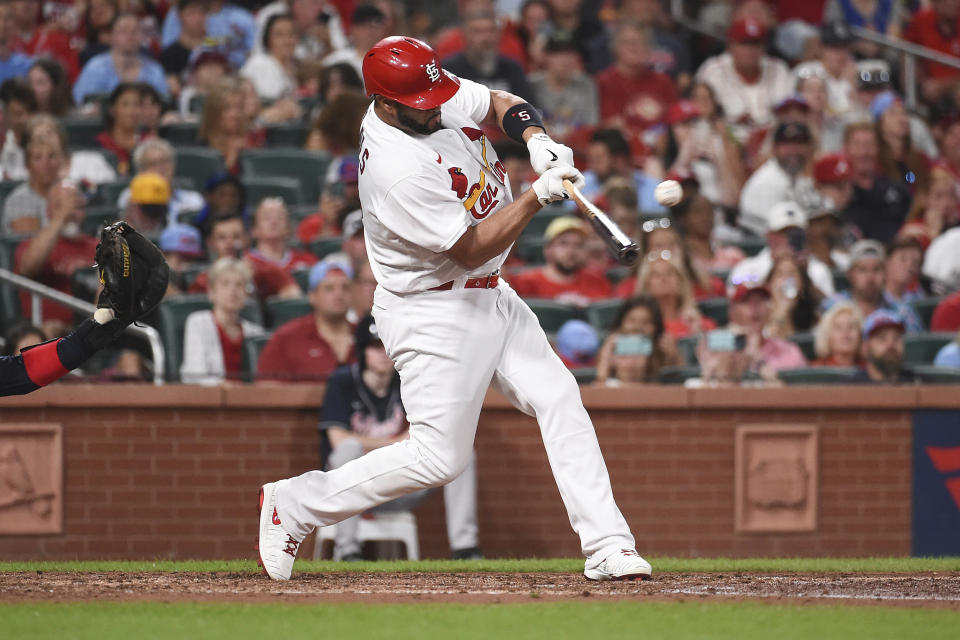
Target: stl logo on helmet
432 72
479 199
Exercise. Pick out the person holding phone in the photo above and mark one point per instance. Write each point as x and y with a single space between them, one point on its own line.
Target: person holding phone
638 347
795 301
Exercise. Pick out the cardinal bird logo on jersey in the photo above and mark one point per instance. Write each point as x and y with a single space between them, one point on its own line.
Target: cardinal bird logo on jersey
458 182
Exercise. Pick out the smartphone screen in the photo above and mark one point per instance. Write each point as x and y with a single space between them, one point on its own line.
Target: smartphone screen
726 340
633 345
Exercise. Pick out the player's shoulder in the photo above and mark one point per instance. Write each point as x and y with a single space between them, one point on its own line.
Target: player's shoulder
388 155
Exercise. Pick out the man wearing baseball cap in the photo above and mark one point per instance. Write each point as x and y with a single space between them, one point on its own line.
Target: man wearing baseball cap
786 234
309 348
835 65
867 276
149 202
781 178
746 81
182 246
564 277
883 349
831 178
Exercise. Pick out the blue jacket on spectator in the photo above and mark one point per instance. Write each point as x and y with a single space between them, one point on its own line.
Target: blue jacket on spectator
232 27
100 76
15 66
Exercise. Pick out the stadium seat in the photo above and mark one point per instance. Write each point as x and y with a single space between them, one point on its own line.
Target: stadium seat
584 375
936 375
197 164
281 310
603 314
677 375
723 274
309 167
10 312
291 135
539 222
925 307
922 348
818 375
172 318
188 217
840 280
616 275
530 250
302 276
272 187
715 309
688 349
180 134
751 246
322 247
252 348
109 192
99 217
805 342
552 314
82 132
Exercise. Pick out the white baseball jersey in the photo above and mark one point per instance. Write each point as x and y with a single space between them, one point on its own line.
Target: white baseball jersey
420 193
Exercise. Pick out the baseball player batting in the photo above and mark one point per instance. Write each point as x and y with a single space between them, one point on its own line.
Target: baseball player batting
440 218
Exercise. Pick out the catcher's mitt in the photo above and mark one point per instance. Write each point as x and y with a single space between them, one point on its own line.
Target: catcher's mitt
133 272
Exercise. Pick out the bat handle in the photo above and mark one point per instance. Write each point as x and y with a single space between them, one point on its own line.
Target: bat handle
573 191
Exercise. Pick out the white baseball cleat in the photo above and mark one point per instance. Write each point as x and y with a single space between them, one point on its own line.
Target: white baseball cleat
277 548
624 564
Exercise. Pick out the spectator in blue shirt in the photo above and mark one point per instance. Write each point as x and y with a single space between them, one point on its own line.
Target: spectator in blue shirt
12 63
122 63
232 27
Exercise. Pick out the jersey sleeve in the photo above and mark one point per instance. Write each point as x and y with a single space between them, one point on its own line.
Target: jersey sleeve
474 99
428 215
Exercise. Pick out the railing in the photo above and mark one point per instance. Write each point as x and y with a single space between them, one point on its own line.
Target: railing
38 291
909 50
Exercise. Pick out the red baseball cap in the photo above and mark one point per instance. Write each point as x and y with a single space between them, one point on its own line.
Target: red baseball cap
832 168
682 111
747 29
744 289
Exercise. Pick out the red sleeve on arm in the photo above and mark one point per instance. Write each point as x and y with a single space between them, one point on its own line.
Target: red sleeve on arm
270 366
43 364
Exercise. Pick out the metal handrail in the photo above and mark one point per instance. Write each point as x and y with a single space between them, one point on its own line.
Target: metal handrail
38 290
909 50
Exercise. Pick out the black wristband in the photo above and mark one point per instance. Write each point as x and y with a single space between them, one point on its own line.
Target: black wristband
518 118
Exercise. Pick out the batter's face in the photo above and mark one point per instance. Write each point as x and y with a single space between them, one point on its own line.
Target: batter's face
419 121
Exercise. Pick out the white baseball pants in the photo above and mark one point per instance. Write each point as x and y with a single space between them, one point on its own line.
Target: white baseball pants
448 347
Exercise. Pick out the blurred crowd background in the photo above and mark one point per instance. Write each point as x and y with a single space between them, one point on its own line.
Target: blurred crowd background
817 239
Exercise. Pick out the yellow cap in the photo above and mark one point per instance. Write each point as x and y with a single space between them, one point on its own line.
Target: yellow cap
562 225
149 188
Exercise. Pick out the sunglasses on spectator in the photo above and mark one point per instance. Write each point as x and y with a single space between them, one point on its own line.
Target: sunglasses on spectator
665 254
652 225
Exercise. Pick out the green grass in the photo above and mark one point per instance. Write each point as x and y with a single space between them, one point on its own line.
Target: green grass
526 565
548 620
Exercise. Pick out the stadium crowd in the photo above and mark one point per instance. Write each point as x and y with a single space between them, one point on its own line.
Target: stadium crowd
818 238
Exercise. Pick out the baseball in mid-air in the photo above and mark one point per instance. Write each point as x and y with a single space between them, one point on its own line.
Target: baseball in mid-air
668 193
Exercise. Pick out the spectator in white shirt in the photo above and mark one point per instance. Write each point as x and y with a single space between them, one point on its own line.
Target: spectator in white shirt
836 66
273 71
781 178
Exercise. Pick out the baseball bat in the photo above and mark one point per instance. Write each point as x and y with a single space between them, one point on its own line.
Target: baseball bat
623 247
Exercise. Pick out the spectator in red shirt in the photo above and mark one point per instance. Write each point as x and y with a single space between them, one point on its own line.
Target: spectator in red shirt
451 41
229 237
42 40
633 97
121 132
308 349
271 232
564 277
946 317
56 251
213 339
937 28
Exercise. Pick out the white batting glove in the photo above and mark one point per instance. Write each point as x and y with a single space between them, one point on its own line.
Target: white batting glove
549 186
545 153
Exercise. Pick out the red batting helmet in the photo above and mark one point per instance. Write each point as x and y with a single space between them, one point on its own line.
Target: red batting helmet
408 71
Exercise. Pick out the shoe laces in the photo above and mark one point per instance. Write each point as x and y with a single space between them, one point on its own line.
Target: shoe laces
291 546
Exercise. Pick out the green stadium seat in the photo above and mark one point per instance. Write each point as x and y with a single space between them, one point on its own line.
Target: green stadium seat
196 104
302 276
616 275
925 307
552 314
840 280
192 271
723 274
677 375
99 217
281 310
530 250
292 135
805 342
936 375
584 375
252 348
716 309
688 349
272 187
197 164
322 247
10 312
539 223
604 313
188 217
180 134
751 246
818 375
309 167
922 348
172 318
82 132
108 193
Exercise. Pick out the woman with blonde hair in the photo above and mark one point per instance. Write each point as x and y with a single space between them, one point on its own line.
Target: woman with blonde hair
837 337
213 340
224 126
664 279
934 209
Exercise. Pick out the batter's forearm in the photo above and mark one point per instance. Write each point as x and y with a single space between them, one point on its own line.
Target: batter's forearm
490 238
500 103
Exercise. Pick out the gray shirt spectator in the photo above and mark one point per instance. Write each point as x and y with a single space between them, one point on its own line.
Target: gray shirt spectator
24 202
564 94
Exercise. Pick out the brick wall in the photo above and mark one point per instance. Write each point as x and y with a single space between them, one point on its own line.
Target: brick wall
157 472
